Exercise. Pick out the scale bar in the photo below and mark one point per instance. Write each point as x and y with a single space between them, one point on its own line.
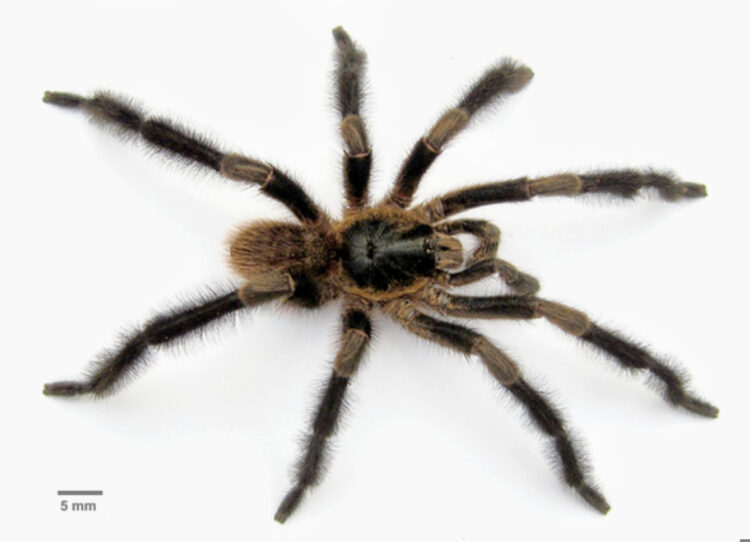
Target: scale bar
80 492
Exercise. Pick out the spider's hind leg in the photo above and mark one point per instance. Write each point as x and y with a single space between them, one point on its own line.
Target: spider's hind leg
165 135
115 366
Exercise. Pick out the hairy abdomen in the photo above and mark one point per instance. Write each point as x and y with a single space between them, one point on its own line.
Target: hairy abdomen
266 245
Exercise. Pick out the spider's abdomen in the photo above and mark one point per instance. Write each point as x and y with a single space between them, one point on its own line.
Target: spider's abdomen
266 245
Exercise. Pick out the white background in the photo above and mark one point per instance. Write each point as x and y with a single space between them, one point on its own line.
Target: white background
98 235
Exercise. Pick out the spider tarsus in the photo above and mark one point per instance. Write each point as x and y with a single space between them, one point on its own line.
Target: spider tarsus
594 498
507 77
63 99
67 388
289 504
694 190
675 191
342 37
350 64
697 406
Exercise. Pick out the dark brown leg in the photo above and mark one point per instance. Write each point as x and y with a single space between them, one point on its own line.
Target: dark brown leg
620 183
627 353
350 65
503 79
116 366
521 283
164 135
490 307
482 262
485 232
506 372
355 337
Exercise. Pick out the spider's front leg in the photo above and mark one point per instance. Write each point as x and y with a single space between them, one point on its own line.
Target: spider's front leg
117 365
354 340
625 183
501 80
508 374
483 261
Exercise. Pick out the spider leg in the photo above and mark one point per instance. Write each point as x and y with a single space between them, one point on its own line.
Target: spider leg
165 135
355 338
627 353
486 233
116 365
350 65
624 183
521 283
507 373
482 262
505 78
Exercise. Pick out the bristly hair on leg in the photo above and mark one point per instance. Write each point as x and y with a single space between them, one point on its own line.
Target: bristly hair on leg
312 463
631 355
504 78
566 453
673 383
350 66
120 115
349 78
628 183
165 136
117 366
196 298
124 118
567 456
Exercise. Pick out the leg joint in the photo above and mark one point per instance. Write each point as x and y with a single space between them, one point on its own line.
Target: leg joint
570 320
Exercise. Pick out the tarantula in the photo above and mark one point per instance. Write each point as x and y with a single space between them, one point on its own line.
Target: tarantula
400 258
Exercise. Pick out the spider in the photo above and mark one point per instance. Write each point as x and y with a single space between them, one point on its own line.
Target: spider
400 258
